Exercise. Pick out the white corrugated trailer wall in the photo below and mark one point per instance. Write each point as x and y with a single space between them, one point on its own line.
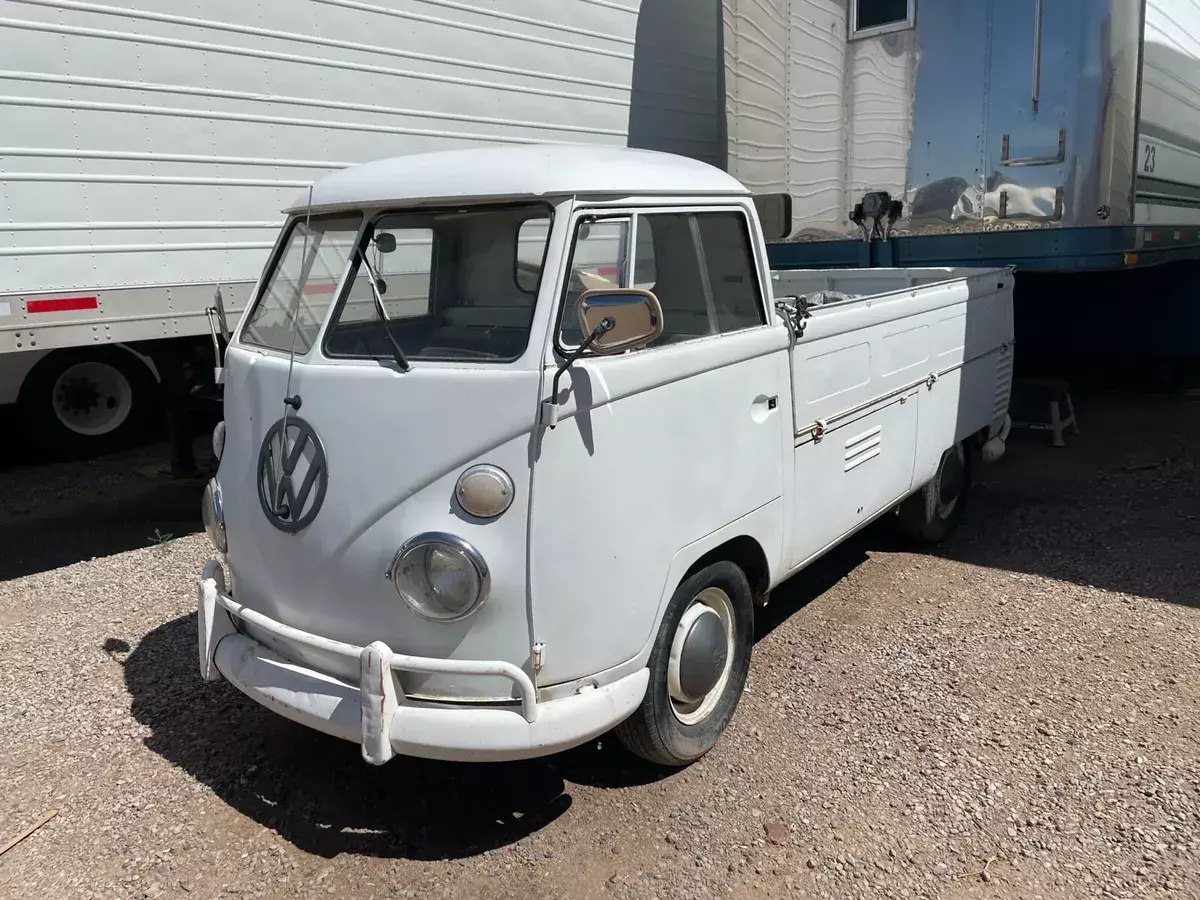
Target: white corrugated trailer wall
756 92
152 144
812 113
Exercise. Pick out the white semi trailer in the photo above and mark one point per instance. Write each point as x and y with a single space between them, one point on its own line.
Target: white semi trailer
147 148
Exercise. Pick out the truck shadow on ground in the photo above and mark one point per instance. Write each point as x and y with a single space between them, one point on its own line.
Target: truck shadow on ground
315 790
43 534
318 794
1117 508
58 514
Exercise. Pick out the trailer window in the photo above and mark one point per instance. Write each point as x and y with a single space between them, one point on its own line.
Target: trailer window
871 17
302 284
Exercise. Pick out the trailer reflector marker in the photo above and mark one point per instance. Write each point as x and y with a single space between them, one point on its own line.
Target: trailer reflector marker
61 304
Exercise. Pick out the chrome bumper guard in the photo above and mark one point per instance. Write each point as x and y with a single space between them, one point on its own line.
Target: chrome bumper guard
379 694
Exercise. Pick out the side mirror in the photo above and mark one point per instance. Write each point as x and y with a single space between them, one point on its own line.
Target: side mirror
635 317
774 215
385 242
612 320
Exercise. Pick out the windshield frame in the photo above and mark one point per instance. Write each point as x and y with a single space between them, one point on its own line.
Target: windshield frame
271 266
545 208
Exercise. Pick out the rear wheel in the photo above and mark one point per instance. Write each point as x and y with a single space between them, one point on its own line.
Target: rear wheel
932 514
85 402
697 668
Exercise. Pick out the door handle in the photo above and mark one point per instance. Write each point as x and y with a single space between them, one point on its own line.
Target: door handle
773 402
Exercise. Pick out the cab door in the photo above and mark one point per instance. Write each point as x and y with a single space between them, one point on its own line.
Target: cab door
658 447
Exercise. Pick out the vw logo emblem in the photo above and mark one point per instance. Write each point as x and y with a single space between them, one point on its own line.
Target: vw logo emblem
292 475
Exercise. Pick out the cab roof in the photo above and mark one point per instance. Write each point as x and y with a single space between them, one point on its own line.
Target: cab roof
534 170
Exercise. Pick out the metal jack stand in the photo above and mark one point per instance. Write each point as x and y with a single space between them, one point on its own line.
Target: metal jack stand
1038 404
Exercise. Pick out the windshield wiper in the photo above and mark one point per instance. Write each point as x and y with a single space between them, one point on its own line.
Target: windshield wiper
378 284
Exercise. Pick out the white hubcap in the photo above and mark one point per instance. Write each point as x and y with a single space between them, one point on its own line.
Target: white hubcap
92 398
701 654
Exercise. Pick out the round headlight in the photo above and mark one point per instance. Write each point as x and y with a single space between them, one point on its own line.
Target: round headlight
484 491
219 440
212 512
440 576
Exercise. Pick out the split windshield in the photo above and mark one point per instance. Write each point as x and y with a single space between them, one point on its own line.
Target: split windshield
457 285
302 284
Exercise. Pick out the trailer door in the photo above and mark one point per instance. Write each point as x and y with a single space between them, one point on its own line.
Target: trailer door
1035 51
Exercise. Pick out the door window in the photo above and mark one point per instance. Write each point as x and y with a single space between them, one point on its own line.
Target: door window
671 253
597 262
732 276
700 266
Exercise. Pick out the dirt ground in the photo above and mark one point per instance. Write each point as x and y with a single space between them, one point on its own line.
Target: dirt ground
1014 716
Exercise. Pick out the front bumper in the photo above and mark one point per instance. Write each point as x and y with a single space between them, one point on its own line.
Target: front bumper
375 713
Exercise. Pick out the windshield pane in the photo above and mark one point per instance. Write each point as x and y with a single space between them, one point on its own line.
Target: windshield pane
302 286
460 285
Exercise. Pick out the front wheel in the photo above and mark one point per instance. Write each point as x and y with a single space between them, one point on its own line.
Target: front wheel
932 514
697 668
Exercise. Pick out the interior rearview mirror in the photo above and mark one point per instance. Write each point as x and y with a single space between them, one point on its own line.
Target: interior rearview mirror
635 318
385 242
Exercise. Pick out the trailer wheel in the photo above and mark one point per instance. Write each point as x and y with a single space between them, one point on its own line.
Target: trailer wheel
85 402
697 668
932 514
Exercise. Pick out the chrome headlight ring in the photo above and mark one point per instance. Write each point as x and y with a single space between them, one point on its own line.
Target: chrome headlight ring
212 513
218 440
440 576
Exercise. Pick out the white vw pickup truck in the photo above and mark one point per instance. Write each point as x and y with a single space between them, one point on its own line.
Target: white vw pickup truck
515 439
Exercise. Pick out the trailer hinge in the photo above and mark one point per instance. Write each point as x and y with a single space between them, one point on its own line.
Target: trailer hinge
539 656
931 380
818 429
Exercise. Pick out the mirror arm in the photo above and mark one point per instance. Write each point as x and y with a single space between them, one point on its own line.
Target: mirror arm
550 407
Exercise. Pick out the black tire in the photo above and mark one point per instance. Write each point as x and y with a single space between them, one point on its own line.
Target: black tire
932 514
52 438
655 731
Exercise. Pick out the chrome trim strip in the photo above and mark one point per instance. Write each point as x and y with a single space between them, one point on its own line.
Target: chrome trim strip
805 435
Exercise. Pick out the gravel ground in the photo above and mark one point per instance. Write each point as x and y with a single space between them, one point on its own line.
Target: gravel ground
1014 717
